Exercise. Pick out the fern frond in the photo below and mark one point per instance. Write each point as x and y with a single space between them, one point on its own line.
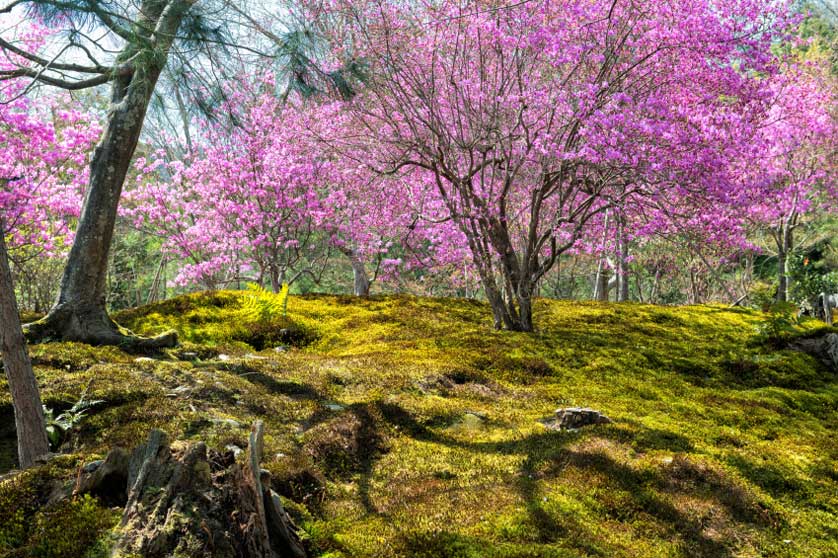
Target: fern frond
283 298
262 305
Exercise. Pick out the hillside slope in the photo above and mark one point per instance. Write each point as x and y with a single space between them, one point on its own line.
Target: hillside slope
404 426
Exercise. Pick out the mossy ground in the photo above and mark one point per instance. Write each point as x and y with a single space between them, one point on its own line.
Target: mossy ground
405 426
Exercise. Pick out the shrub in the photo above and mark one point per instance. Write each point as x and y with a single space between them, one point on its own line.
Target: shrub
762 295
782 322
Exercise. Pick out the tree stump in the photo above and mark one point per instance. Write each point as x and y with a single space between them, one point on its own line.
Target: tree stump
183 500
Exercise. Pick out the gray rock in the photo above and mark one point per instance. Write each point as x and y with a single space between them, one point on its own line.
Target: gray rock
571 418
823 348
227 422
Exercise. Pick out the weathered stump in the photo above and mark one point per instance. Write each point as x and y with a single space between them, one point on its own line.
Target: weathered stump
183 500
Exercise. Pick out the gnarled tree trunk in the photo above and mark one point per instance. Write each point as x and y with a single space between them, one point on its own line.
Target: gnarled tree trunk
80 313
29 413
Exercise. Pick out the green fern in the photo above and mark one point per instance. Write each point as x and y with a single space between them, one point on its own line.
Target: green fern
262 305
58 426
283 297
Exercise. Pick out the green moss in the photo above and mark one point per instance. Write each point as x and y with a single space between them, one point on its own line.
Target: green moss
18 502
27 317
75 356
73 528
348 443
218 318
405 426
22 497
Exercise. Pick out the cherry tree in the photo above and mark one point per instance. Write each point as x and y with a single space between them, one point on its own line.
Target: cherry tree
789 168
253 199
775 172
532 118
43 154
385 225
269 195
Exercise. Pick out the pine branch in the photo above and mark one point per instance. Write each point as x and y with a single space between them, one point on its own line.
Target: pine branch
8 8
55 82
98 69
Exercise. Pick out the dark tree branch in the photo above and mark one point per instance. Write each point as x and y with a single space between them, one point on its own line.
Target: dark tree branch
55 65
55 82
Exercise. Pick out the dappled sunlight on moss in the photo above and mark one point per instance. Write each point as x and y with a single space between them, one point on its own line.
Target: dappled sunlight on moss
404 426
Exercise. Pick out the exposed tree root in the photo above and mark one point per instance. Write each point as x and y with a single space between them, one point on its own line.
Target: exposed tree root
92 326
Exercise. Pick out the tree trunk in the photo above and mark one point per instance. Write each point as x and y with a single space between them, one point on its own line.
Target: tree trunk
361 281
29 413
186 500
785 245
622 262
782 283
525 313
827 302
513 277
693 288
623 293
601 284
653 291
513 313
276 284
783 254
601 279
514 310
80 313
500 312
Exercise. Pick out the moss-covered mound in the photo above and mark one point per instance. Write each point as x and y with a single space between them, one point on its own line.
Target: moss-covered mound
405 426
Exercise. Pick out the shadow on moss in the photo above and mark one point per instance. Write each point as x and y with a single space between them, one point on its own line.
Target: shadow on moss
652 490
